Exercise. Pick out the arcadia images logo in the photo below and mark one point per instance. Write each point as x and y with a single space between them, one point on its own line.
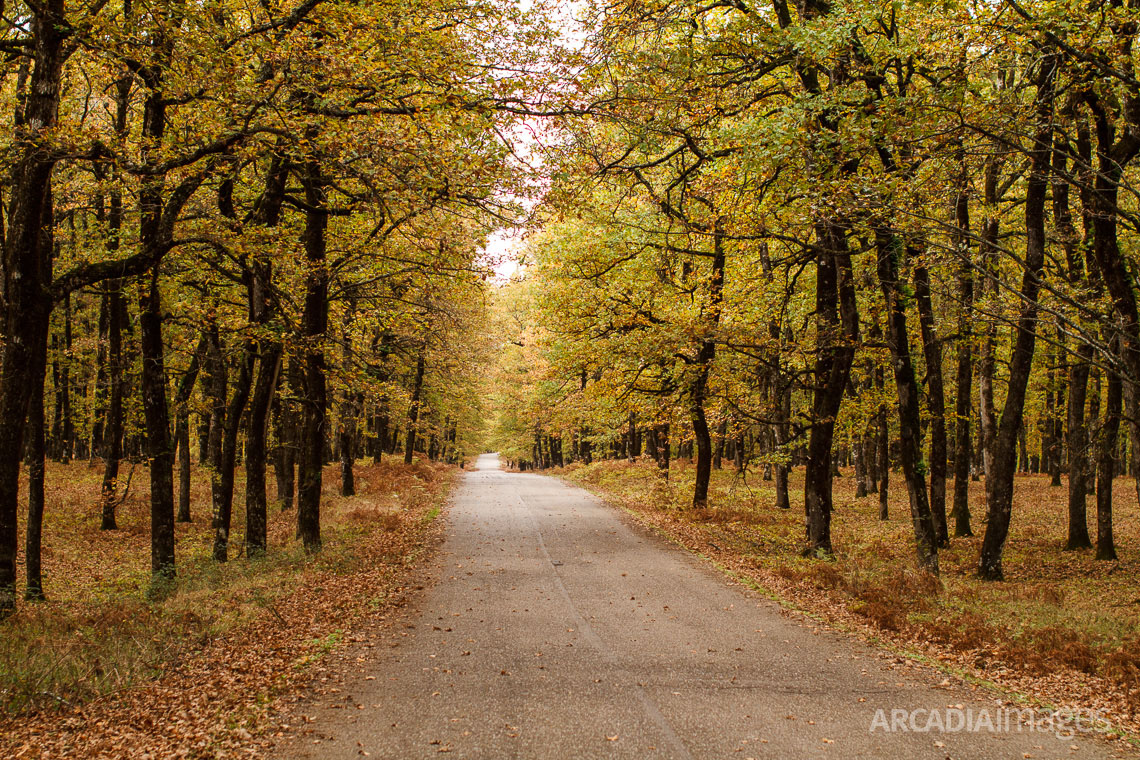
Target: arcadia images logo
1063 723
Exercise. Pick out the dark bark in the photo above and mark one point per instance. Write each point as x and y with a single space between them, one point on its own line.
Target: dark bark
1054 401
158 449
217 390
1112 157
156 223
999 481
890 251
287 432
224 493
721 443
64 428
882 439
381 430
662 452
113 422
837 335
988 247
936 404
702 440
182 446
1080 359
204 425
182 427
349 409
34 588
98 424
314 326
963 406
268 351
1132 414
1106 467
257 431
414 410
27 267
706 355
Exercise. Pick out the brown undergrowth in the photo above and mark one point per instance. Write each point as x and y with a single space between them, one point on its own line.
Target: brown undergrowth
101 671
1063 629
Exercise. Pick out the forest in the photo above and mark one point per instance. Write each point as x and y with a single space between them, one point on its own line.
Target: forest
844 254
877 236
238 233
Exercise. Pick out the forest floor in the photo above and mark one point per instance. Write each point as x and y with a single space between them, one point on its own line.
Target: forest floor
1063 630
101 671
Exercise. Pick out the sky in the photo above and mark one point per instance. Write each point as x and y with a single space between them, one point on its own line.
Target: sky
502 251
504 247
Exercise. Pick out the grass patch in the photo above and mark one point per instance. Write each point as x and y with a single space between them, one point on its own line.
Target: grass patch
100 633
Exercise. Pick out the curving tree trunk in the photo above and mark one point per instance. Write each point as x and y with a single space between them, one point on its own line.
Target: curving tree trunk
999 481
698 391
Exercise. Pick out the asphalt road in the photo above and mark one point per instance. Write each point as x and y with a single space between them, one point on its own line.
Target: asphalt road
552 627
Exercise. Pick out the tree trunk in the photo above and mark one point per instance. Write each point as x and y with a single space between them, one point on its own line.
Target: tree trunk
257 430
705 357
34 590
890 250
963 408
182 445
883 447
381 430
157 416
314 325
1132 414
661 436
64 427
1054 428
1106 467
721 443
936 404
988 246
999 481
349 409
703 442
414 410
205 423
218 391
182 427
836 309
113 428
266 213
27 267
287 433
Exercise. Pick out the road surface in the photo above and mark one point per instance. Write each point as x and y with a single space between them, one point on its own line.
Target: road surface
552 627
